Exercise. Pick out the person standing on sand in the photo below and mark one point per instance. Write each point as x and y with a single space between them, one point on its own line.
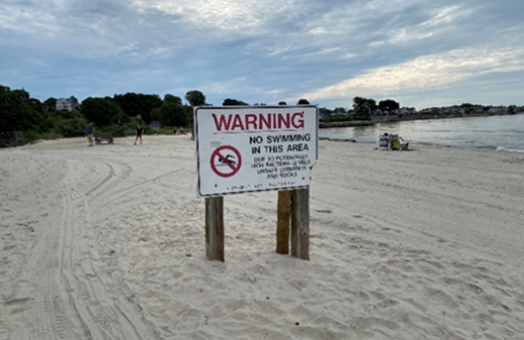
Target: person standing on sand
90 132
139 133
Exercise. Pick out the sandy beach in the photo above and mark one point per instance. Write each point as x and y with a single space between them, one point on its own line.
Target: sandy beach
107 242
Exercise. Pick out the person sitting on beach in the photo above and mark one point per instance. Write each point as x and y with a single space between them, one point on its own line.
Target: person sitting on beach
403 144
384 141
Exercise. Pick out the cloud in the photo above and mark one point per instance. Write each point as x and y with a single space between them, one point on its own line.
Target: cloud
430 72
259 50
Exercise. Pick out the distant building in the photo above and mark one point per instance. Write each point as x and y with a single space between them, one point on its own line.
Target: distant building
67 104
155 125
497 109
340 111
324 113
406 111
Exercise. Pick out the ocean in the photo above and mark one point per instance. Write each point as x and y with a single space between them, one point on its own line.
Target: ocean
504 133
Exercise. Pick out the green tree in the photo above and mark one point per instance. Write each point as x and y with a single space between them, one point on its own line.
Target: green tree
17 111
364 105
72 126
36 105
171 114
22 94
169 98
388 105
50 104
195 98
233 102
102 111
303 101
282 103
134 104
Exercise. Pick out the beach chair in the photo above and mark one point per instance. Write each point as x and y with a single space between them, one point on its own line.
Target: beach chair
383 142
397 144
394 142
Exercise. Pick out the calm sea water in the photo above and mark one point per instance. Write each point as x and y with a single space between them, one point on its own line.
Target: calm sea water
495 132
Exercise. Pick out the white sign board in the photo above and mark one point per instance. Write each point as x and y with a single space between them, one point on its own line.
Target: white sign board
255 148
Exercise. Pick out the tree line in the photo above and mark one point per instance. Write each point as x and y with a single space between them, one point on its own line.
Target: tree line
368 105
117 115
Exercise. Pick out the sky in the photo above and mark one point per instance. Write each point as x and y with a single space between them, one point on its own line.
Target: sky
420 53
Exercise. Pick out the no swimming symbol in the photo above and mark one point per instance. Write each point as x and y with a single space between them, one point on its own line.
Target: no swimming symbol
226 161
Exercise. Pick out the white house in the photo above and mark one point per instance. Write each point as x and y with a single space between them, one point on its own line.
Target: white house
67 104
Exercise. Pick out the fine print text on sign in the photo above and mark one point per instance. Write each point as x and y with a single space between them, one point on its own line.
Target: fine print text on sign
243 149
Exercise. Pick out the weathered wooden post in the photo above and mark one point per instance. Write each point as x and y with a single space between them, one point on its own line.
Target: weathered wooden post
283 218
300 224
215 228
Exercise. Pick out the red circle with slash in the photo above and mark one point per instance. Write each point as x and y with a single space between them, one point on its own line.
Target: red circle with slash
226 161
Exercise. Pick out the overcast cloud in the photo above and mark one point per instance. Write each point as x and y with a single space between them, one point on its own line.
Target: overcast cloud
420 53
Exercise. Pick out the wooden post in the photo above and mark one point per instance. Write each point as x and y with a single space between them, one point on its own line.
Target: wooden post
300 224
283 216
215 228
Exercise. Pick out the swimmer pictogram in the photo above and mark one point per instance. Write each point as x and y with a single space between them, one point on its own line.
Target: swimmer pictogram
226 161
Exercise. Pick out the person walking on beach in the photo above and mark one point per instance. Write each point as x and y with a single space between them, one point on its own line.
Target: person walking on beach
139 133
90 133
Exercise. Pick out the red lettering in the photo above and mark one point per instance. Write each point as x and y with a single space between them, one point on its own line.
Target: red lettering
251 119
283 120
222 122
264 122
298 120
259 122
237 122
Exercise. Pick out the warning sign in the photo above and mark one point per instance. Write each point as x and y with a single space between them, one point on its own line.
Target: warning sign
243 149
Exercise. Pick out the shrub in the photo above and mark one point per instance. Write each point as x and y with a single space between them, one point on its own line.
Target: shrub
344 119
72 127
30 136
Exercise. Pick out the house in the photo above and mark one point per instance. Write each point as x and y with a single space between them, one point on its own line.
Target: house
340 111
67 104
324 113
155 125
497 109
406 111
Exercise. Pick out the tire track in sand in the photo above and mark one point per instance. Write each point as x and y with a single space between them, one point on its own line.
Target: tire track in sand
85 289
35 296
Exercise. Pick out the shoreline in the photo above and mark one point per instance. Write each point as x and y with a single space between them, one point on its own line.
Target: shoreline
322 125
386 119
419 146
396 118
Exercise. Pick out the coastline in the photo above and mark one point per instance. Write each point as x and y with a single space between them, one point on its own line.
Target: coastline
397 118
322 125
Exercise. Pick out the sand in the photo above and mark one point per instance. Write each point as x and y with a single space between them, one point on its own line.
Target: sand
107 242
